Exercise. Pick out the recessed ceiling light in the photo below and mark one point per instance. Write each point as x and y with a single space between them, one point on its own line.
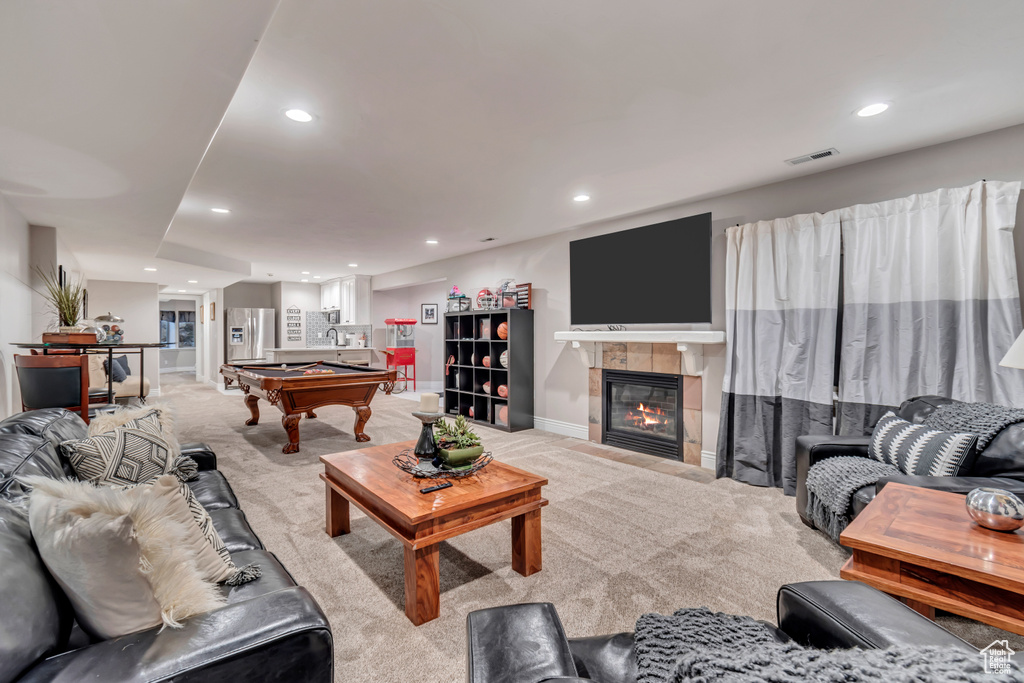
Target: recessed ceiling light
431 241
152 270
304 280
299 115
220 210
353 265
581 198
305 272
193 282
873 109
316 277
181 291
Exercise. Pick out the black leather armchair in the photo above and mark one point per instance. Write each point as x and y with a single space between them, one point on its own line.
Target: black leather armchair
526 643
1000 465
270 630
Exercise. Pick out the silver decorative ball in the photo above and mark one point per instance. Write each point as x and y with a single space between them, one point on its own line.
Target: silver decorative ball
995 509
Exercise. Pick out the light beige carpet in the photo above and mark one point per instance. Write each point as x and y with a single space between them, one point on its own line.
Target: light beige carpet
618 540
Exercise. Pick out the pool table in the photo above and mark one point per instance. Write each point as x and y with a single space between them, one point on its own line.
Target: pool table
295 393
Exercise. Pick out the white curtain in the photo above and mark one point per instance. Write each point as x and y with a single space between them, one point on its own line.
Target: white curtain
930 301
782 291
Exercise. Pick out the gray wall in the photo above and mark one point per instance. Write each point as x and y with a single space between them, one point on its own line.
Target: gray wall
561 381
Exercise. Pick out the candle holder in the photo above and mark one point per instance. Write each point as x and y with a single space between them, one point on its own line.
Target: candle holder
426 446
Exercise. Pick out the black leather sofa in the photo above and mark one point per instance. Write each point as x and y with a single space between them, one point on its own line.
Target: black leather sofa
270 630
526 643
1000 465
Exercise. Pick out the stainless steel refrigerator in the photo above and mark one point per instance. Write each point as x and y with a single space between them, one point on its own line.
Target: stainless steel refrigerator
250 332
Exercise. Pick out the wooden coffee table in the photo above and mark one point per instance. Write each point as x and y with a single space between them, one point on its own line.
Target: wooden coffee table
421 521
921 546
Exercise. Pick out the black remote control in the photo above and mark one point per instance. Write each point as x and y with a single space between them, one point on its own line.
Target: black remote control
436 488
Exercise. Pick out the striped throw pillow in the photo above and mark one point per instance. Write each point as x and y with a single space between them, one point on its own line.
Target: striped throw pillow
916 449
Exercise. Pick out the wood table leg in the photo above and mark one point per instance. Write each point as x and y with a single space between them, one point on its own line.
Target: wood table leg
291 425
362 416
920 607
337 513
310 414
422 584
252 402
526 546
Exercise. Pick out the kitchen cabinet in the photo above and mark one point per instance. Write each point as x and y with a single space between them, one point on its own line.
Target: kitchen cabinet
350 296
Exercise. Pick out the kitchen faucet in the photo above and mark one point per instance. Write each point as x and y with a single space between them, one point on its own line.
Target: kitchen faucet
335 331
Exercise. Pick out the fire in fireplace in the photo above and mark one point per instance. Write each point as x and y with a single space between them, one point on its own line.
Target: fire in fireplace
643 412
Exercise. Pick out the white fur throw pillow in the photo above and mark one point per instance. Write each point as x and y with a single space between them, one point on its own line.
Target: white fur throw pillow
122 556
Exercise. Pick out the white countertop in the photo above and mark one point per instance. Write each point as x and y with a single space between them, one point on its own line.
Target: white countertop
308 349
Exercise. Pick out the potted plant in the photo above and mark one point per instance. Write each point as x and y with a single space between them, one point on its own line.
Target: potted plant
457 445
65 298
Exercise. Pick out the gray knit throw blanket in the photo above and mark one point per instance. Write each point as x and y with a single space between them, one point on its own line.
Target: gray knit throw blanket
833 481
984 419
699 646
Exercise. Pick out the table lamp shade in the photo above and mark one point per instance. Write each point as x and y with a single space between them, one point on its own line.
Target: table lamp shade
1014 358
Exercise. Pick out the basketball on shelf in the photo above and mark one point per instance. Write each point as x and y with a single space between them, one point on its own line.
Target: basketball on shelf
503 391
503 358
487 362
487 387
503 415
503 331
471 411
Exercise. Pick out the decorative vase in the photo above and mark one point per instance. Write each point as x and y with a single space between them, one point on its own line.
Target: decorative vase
459 457
995 509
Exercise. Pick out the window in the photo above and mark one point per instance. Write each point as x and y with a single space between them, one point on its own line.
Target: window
167 328
186 329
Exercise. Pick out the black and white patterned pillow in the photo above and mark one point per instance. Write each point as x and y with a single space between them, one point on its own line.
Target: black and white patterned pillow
121 457
916 449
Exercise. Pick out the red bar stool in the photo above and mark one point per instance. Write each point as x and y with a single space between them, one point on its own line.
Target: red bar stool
406 358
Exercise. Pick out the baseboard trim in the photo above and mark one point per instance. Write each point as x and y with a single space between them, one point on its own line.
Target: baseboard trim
564 428
708 460
190 368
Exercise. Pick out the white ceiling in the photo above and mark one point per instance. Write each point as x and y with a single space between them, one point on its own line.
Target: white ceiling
456 119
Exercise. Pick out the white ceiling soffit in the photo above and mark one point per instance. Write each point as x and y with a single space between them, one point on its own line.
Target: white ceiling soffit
106 108
459 119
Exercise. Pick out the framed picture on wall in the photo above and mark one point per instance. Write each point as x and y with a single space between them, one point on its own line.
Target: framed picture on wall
428 314
213 311
201 321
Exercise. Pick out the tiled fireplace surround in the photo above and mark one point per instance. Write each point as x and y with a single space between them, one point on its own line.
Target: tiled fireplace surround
648 357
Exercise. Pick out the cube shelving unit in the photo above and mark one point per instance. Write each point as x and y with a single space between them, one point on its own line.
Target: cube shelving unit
470 336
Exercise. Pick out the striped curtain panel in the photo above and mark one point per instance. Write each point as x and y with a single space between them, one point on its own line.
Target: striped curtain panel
782 290
930 301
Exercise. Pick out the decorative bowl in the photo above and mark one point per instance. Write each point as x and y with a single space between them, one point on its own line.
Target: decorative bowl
995 509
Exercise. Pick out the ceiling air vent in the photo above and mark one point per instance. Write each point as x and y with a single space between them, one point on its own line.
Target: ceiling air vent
488 239
813 156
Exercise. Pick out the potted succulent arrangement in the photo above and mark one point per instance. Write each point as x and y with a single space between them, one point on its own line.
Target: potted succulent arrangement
66 300
457 445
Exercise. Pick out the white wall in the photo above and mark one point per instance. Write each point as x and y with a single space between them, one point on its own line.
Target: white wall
15 301
305 296
405 303
560 379
208 367
139 304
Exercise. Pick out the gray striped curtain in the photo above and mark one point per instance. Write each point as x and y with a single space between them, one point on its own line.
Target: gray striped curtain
782 290
930 301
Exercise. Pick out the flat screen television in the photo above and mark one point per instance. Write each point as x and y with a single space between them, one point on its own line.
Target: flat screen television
659 273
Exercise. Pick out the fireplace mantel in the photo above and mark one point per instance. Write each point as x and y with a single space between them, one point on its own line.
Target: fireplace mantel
690 343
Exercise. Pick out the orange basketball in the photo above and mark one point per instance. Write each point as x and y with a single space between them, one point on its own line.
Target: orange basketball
503 331
503 414
487 361
471 411
502 391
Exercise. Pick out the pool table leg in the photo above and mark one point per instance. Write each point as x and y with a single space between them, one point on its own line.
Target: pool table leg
291 425
310 414
362 416
252 401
